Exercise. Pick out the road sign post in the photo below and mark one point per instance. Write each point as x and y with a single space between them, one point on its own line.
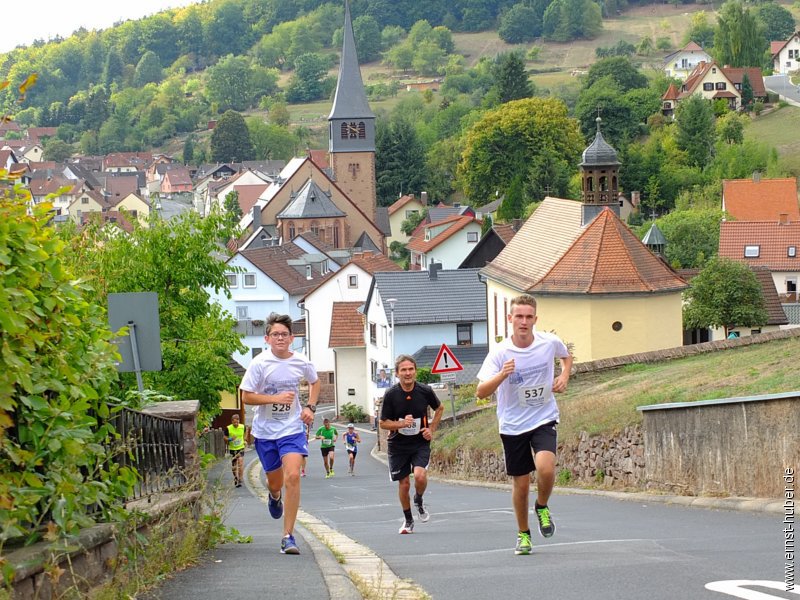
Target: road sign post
446 366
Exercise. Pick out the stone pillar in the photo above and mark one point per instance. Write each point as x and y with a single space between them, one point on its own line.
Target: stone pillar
186 411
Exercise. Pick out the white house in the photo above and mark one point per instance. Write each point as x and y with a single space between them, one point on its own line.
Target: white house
349 284
786 55
447 242
680 64
267 280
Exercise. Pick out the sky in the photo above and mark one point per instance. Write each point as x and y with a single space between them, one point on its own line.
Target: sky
44 19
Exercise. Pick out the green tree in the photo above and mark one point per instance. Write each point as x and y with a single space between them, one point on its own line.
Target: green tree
148 70
367 34
513 203
487 225
692 236
566 20
228 83
177 259
400 57
727 294
59 361
620 69
519 24
113 68
778 22
505 141
700 31
230 141
511 79
739 40
270 141
695 129
306 83
730 128
57 150
747 91
188 150
279 114
399 160
412 222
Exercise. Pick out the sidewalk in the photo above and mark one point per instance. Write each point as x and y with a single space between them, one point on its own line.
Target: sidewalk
258 569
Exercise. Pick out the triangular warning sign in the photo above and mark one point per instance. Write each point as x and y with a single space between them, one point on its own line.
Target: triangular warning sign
446 362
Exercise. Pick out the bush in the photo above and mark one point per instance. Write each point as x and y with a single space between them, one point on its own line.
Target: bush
353 413
424 375
60 364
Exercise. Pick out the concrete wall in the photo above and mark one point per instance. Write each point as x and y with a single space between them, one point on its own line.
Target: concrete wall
735 446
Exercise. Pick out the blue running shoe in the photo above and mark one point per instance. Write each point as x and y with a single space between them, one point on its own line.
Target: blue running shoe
275 507
288 545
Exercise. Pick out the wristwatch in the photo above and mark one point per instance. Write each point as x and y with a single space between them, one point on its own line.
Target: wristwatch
312 407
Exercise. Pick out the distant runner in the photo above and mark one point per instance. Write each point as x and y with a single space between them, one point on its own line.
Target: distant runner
351 441
328 435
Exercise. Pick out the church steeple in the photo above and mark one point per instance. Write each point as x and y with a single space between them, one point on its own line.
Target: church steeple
351 128
599 177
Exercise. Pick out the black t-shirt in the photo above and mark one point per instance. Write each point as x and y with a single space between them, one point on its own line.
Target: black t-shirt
397 403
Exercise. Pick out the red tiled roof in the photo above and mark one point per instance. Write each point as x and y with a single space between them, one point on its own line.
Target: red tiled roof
347 326
763 200
373 262
248 195
178 176
723 94
671 93
692 47
776 47
505 232
50 185
736 75
417 242
772 238
110 216
272 261
608 258
400 203
319 158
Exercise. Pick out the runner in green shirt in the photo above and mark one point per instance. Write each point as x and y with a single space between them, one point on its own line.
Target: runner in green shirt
328 435
234 437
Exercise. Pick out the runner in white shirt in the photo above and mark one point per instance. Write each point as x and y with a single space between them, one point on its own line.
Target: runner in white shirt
271 383
521 372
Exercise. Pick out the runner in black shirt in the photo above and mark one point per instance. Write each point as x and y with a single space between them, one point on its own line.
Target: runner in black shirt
404 414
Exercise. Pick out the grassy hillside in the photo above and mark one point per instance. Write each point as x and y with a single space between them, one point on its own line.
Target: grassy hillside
779 129
605 402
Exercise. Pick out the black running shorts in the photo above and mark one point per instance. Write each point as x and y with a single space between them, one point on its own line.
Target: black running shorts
520 449
403 460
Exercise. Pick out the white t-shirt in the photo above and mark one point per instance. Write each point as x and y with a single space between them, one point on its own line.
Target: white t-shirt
525 400
268 374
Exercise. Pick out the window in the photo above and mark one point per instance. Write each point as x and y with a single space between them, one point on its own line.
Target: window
362 130
384 336
331 378
323 268
721 85
291 230
373 370
242 313
255 352
233 279
308 272
249 280
791 251
373 334
714 70
464 334
411 212
754 331
84 201
472 237
752 251
738 86
427 235
352 281
707 87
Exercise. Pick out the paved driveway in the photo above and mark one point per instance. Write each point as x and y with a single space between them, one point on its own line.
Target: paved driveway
782 85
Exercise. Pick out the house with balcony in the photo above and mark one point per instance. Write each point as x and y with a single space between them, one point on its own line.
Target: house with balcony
681 63
266 280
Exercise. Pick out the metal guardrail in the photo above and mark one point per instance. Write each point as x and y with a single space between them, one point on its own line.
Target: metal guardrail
153 446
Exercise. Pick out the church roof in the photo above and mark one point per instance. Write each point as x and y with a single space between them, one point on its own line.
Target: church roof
599 153
310 203
608 259
350 100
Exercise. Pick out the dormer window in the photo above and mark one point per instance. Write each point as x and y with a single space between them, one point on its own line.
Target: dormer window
752 251
792 252
308 271
427 235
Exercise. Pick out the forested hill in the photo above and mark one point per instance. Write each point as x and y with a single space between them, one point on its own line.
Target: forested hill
142 82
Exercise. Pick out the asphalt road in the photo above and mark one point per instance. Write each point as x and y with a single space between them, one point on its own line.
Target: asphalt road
603 548
780 84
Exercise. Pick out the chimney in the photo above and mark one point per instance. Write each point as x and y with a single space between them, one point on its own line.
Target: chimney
423 197
635 198
783 219
256 217
756 176
433 269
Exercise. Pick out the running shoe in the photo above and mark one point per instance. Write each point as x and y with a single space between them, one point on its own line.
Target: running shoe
328 475
424 515
523 543
408 527
302 473
288 545
275 506
332 473
546 526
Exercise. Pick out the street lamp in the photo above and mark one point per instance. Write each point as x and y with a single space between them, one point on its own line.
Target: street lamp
391 302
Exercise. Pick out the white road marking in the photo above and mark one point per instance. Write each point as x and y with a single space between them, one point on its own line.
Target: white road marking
495 550
733 587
